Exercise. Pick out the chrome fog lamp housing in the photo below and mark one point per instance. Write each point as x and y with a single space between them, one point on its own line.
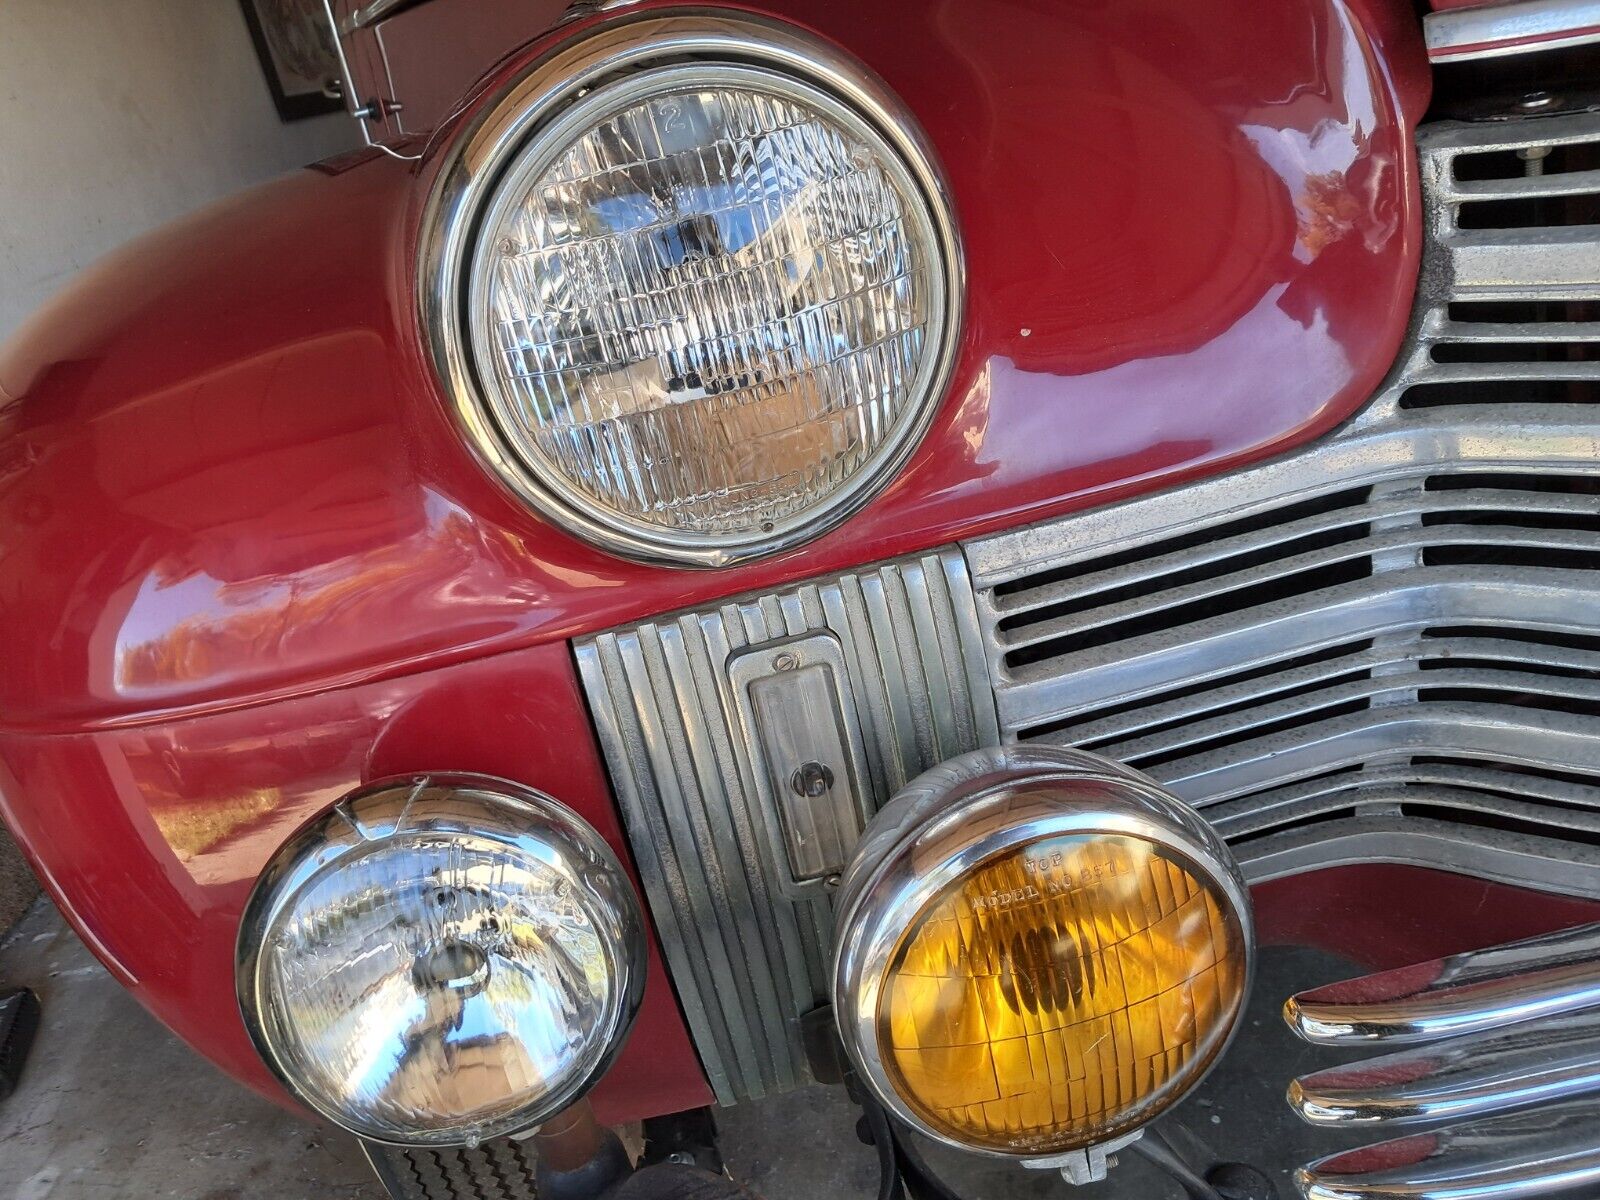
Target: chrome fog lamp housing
1040 951
693 286
440 960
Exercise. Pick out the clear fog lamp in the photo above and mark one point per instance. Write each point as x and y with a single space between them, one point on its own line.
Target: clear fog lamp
441 960
707 304
1039 952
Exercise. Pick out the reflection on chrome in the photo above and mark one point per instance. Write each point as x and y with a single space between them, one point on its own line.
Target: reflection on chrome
441 959
1526 1020
1470 1076
1549 1152
1467 993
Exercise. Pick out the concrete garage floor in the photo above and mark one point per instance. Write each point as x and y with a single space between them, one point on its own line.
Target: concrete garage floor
17 885
113 1105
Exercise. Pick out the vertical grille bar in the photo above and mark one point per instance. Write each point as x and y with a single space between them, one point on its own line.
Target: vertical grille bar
748 956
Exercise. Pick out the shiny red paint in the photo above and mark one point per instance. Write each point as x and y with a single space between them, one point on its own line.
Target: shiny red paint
1383 916
246 561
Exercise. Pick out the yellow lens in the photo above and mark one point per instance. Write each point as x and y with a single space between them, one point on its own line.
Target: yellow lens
1061 994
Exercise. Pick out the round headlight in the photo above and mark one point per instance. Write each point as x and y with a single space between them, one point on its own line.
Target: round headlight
441 960
1040 951
702 302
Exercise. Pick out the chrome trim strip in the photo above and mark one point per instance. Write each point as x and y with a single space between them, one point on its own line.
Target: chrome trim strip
1466 993
479 157
748 951
1500 856
1509 1027
1521 27
1549 1152
1471 1076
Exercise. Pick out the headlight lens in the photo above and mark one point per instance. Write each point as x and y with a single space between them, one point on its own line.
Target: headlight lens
1044 953
708 308
441 961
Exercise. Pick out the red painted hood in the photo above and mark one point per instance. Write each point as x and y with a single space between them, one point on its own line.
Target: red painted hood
228 474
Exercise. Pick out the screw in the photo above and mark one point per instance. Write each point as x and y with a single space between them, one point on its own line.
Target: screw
812 779
681 1157
785 662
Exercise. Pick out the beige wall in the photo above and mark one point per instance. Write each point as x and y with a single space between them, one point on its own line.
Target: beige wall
117 115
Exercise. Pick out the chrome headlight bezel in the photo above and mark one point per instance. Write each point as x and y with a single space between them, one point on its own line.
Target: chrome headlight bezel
639 51
935 831
441 806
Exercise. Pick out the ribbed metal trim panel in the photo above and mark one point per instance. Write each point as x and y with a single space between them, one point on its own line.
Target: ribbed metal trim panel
1385 646
748 957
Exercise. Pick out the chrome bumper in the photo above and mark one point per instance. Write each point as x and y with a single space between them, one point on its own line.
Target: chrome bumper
1509 1036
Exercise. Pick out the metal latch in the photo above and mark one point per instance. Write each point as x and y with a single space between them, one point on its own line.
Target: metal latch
799 723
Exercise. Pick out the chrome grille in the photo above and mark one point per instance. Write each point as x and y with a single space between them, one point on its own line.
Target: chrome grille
1387 645
749 955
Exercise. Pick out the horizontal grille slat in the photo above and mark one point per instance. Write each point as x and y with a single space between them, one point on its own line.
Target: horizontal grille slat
1554 371
1309 565
1475 733
1569 183
1350 520
1384 447
1421 798
1139 751
1395 604
1544 669
1394 633
1264 812
1520 331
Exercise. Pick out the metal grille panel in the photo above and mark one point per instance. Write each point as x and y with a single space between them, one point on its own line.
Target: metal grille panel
1385 646
748 956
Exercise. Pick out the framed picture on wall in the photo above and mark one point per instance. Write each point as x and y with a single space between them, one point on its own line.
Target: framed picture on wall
294 41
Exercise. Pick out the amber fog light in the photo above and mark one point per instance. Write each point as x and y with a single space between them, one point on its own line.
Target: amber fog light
440 960
1039 952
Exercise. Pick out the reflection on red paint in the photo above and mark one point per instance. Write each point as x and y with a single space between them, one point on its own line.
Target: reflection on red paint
1191 237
